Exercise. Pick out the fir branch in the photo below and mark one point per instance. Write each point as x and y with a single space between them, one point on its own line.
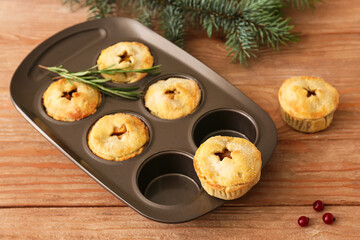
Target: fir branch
302 4
144 10
265 19
96 8
100 8
90 77
172 22
248 25
71 3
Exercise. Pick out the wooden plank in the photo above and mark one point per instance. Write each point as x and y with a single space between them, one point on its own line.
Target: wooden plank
329 17
346 123
325 56
46 178
328 48
35 174
25 24
223 223
300 172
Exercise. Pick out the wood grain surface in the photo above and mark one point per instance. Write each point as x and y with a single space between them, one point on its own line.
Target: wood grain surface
43 195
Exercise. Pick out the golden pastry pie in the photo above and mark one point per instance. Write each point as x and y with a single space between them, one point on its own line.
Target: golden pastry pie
228 167
129 55
118 137
173 98
308 103
73 101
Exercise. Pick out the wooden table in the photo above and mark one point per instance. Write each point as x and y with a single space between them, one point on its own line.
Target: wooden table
43 195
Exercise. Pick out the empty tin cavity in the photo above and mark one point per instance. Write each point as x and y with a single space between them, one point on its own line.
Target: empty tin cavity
168 178
225 122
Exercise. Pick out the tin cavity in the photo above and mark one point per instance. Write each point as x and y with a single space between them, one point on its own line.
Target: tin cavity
225 122
169 178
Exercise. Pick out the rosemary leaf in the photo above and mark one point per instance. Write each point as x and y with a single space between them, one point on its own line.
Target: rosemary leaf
90 76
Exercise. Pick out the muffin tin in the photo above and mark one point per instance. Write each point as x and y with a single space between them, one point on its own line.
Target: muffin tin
160 183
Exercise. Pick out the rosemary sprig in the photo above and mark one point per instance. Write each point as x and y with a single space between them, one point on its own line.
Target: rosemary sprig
90 76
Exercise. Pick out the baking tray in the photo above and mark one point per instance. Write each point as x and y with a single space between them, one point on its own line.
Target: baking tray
160 183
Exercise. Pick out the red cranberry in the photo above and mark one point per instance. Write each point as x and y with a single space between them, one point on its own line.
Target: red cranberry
318 206
303 221
328 218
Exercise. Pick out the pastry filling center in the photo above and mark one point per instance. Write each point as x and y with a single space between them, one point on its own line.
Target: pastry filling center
310 92
68 95
119 131
125 57
171 93
225 153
